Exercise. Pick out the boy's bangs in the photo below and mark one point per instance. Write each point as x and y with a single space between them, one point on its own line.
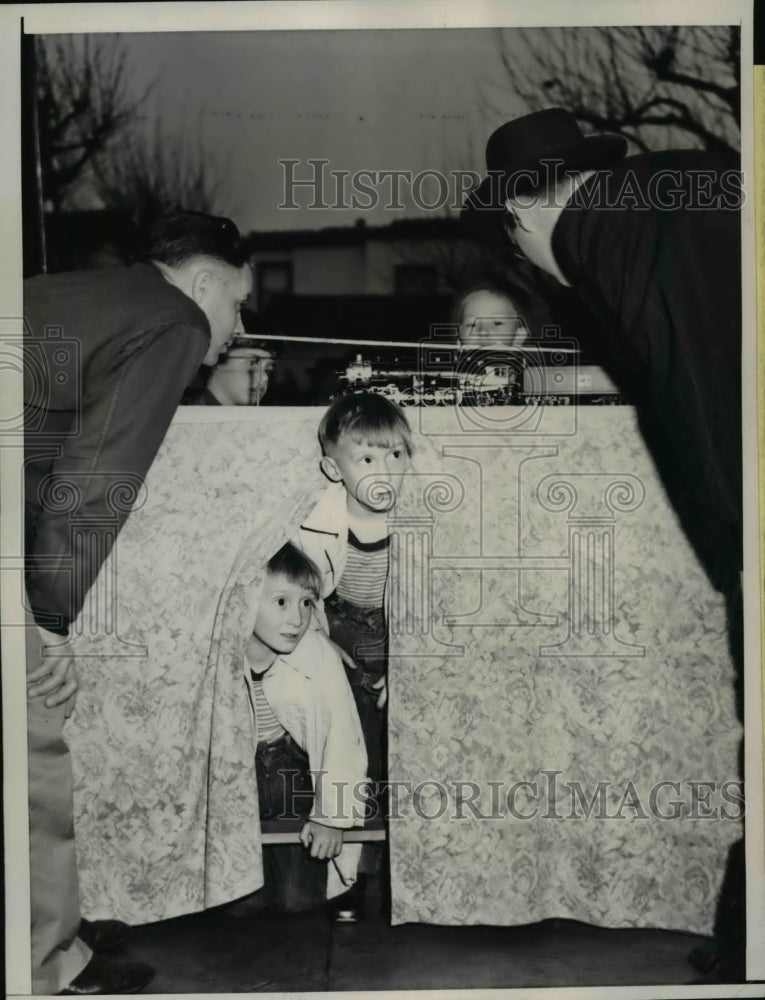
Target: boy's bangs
295 565
380 434
367 418
307 580
383 437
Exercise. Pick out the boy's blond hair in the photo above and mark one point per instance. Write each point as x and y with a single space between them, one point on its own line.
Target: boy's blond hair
367 417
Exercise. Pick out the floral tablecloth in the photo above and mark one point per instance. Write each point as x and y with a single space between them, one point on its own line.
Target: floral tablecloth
166 806
563 737
559 677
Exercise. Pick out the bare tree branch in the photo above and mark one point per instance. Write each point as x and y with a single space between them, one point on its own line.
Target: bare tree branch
82 105
153 173
618 79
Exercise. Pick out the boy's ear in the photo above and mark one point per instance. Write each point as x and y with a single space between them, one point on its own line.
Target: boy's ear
330 469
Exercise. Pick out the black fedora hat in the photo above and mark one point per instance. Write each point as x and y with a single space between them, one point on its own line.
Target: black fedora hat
523 155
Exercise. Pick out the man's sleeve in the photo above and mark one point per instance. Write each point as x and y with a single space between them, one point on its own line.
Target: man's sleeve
94 483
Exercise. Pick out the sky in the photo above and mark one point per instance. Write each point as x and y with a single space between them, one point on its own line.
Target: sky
377 100
412 100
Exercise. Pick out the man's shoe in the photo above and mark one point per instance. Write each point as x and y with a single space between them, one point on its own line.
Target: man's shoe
103 935
102 976
718 964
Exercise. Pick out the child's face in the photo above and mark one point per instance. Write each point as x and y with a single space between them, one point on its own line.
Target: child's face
488 318
371 473
284 613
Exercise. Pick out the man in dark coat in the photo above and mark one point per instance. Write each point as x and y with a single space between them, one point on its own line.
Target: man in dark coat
107 356
652 245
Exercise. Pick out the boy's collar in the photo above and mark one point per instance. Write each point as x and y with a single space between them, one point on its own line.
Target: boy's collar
303 658
330 515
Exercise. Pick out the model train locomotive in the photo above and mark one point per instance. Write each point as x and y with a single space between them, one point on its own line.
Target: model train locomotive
491 376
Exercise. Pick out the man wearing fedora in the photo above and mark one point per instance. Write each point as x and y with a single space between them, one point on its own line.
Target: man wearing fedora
651 245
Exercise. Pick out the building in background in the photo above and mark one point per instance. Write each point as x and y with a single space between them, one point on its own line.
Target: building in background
407 257
354 283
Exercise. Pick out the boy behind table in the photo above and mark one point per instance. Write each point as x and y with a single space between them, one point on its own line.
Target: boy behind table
306 727
367 445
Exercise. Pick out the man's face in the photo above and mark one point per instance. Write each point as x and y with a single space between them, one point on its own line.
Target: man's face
284 613
520 222
221 298
371 473
488 318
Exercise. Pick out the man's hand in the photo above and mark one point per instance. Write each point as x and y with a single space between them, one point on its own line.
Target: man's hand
324 842
55 675
382 687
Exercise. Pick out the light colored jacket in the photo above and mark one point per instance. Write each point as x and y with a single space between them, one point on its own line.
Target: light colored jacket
310 696
323 536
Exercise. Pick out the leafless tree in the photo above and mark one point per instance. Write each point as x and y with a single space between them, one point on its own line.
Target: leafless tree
155 171
83 103
657 86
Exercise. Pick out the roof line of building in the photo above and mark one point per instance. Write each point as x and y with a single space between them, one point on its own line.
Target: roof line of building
357 233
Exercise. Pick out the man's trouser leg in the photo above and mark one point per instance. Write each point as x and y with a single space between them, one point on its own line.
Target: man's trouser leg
730 918
58 955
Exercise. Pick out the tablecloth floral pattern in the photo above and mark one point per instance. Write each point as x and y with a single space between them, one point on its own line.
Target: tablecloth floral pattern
540 706
550 625
166 807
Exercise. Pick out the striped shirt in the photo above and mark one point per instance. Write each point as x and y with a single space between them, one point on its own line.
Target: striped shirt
267 726
366 572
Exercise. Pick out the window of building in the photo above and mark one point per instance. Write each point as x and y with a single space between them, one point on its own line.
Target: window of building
415 279
274 277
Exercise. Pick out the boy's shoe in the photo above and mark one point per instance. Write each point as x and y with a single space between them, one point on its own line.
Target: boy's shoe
349 914
349 907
